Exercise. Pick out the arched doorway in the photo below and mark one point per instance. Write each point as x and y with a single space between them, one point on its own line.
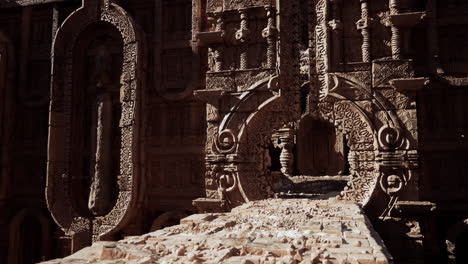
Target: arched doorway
29 238
320 149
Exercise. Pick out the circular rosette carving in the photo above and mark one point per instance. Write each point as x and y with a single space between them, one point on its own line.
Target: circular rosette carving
393 182
390 137
226 141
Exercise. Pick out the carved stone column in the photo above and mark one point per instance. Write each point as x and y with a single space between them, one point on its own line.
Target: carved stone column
287 155
242 35
213 39
364 25
101 188
217 58
270 33
396 34
218 51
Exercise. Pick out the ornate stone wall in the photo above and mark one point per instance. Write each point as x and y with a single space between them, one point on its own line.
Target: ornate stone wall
62 174
244 110
127 111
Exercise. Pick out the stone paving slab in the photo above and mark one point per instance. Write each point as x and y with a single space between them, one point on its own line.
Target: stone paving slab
273 231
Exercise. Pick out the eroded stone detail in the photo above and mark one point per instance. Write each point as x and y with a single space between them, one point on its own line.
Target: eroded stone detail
61 177
270 231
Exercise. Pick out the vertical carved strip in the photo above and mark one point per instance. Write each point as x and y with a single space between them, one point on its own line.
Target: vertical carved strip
321 36
270 33
242 35
364 26
55 20
396 34
286 156
218 58
100 193
218 52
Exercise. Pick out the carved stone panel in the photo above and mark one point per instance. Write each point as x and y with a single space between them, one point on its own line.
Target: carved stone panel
95 123
92 173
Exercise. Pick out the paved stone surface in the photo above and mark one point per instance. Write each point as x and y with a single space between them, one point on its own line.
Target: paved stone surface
261 232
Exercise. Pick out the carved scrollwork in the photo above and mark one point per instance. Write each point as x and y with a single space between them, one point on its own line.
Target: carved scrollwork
354 123
392 182
226 141
226 181
390 137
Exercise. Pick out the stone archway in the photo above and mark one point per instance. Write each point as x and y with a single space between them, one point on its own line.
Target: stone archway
29 237
346 107
61 175
350 119
247 178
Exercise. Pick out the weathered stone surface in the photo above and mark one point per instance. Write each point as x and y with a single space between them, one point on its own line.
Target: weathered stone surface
360 100
268 231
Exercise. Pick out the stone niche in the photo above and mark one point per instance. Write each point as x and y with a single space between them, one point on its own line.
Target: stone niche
92 175
96 116
320 150
308 159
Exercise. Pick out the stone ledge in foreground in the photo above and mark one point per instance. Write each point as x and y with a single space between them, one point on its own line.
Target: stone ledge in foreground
271 231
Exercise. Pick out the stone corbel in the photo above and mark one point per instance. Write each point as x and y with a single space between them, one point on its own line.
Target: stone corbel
216 34
210 38
415 208
398 22
407 20
208 205
211 97
406 85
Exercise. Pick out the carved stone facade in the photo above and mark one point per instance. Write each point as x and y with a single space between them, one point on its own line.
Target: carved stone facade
126 112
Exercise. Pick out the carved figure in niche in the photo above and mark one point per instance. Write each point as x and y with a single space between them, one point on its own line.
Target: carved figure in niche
102 117
99 109
320 150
